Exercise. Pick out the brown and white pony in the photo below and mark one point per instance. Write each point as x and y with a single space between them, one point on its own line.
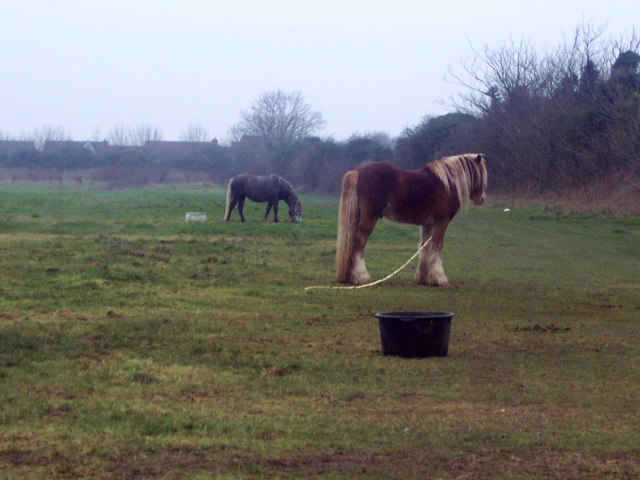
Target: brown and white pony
429 197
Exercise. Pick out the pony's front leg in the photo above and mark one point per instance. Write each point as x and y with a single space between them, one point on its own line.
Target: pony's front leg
430 270
275 211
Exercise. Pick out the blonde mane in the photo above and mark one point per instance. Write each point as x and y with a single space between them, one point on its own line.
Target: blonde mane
464 172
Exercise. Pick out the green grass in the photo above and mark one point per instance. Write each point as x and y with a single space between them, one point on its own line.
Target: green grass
136 345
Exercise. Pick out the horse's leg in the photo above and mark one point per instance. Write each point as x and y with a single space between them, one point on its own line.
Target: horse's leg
430 270
359 273
232 204
241 207
423 264
275 211
266 214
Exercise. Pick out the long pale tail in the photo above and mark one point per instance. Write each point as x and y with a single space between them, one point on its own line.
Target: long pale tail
226 210
347 226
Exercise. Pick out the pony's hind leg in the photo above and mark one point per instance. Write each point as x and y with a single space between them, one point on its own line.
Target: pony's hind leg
232 205
240 208
266 213
359 274
430 270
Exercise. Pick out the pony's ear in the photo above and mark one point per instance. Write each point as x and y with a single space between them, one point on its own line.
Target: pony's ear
479 158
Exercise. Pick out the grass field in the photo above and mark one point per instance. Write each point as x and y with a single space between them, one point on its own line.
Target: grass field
135 345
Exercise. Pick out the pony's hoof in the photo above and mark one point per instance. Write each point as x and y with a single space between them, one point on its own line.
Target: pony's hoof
434 283
360 280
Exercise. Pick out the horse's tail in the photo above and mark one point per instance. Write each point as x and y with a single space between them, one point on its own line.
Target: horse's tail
347 226
226 209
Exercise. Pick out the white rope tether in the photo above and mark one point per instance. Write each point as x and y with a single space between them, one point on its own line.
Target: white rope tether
377 282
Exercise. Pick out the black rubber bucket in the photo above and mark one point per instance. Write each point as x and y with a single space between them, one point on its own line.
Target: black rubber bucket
415 334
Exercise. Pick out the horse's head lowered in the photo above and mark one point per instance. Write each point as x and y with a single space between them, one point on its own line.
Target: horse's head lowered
295 212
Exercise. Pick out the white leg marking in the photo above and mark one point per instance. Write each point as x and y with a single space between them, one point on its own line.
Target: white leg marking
435 275
359 274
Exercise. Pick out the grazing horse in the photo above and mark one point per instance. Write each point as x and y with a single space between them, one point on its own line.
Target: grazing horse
429 197
270 188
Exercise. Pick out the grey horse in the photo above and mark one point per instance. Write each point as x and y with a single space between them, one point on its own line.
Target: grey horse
269 188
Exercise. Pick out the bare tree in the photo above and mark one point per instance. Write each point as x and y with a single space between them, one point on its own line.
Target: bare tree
96 136
143 133
556 119
49 132
195 133
279 118
118 135
508 74
137 135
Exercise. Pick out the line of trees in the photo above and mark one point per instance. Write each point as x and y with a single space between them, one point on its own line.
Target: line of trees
276 135
310 163
545 122
567 118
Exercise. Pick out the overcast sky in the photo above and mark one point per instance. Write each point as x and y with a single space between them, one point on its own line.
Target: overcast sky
366 65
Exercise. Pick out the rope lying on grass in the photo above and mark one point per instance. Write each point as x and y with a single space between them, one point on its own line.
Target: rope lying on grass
377 282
